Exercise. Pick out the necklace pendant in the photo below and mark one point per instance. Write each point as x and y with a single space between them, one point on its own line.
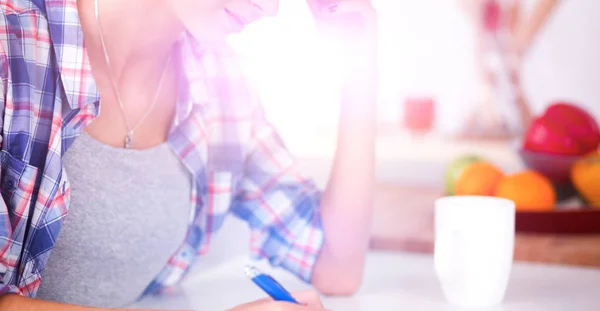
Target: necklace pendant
129 140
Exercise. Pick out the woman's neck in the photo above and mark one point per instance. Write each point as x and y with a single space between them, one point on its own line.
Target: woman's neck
138 36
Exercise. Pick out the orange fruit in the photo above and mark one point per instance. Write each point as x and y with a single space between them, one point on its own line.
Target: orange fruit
455 169
530 190
585 174
478 178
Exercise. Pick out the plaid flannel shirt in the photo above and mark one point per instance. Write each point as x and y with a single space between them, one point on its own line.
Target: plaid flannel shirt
238 163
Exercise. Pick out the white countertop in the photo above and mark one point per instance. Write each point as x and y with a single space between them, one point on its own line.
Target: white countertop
394 281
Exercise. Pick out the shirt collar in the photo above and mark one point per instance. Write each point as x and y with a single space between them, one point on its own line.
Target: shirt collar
74 67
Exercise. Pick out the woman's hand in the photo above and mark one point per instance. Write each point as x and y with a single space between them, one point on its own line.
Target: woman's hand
343 14
351 24
309 301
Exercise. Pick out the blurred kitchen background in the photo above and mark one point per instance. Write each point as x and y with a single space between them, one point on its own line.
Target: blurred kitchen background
427 51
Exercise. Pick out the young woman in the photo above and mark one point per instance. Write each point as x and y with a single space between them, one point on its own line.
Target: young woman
128 129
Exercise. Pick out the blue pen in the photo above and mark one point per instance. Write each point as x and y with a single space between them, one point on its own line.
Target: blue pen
269 285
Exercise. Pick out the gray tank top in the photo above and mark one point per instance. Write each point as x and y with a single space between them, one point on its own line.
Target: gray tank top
128 214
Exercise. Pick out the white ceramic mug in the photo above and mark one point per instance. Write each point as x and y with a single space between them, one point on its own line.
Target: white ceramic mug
474 247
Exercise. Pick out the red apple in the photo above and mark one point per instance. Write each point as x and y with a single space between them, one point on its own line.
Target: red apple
548 137
578 124
563 129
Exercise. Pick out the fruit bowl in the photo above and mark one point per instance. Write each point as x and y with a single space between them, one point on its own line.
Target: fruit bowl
554 166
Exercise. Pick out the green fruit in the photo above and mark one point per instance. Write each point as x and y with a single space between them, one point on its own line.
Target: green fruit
455 169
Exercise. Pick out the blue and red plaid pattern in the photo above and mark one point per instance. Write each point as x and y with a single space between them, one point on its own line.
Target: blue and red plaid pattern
220 133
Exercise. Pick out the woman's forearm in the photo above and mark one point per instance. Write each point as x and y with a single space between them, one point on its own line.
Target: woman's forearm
21 303
346 206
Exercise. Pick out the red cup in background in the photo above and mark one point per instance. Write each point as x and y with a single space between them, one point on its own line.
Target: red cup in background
419 114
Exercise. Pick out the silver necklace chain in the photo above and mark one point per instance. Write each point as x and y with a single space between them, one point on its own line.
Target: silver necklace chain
128 142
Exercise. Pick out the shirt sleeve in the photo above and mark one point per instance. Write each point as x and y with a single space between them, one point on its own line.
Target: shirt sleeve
281 206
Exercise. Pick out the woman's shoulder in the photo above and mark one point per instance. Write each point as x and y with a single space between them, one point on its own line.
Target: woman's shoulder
218 70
